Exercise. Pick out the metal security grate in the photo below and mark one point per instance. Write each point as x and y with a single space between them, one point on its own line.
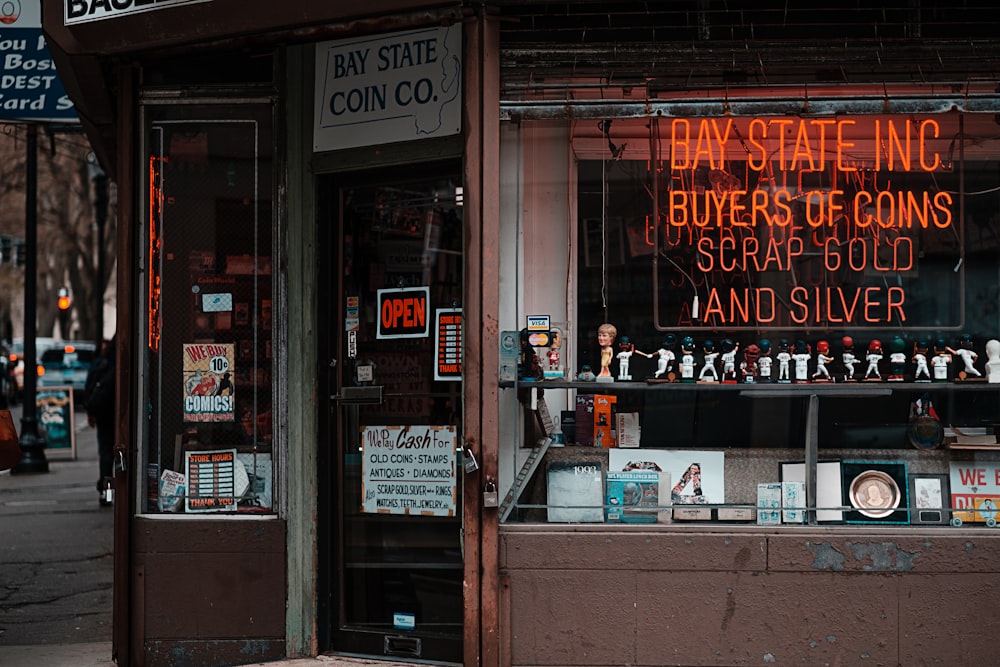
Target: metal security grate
703 44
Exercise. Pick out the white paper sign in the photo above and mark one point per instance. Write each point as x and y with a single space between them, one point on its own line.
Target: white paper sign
409 470
388 88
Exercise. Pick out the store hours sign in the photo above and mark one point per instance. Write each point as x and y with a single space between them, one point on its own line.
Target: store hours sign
409 470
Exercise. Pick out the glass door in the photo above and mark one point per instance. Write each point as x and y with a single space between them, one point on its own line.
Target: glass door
394 316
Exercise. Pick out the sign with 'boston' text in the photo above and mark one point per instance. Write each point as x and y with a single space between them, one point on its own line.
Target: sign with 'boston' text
388 88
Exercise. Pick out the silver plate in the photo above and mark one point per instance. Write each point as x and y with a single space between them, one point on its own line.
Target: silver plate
875 494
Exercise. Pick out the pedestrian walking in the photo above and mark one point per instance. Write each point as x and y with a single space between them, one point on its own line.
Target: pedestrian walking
100 405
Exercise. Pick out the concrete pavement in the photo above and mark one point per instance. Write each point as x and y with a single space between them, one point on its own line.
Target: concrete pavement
56 566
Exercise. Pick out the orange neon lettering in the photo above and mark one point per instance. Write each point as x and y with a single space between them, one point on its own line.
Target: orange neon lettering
802 150
848 310
831 258
844 147
743 306
681 144
942 202
936 164
757 157
871 301
767 292
799 297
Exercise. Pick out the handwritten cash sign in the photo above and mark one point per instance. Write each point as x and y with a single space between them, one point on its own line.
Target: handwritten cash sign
408 470
402 313
211 481
81 11
975 491
208 382
388 88
797 223
449 347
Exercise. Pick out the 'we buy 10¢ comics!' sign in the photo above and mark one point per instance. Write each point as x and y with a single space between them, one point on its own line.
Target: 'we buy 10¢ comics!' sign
798 222
208 382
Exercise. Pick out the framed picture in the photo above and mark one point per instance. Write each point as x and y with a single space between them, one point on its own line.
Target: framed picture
876 491
829 480
929 498
698 475
575 492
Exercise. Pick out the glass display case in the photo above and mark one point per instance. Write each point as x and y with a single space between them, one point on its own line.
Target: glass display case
804 318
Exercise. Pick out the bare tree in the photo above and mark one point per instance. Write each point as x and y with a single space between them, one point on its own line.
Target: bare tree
67 232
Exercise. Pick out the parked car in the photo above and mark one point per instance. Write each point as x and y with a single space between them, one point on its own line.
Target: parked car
14 382
66 365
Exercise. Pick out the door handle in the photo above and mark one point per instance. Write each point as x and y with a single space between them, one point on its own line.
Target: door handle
366 395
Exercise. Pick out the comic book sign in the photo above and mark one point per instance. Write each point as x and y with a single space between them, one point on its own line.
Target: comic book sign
208 383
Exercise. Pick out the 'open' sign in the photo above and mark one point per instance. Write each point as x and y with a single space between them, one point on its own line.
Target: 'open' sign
403 313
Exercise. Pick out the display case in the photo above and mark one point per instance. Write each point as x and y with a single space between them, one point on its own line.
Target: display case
208 441
804 322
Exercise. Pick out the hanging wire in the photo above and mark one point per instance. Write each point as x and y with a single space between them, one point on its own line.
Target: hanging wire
604 239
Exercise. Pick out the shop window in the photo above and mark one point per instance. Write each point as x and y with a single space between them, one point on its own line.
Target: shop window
209 300
783 291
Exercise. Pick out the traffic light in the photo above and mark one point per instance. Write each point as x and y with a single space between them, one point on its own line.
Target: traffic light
64 300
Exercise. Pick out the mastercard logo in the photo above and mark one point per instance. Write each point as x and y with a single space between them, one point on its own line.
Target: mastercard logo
10 10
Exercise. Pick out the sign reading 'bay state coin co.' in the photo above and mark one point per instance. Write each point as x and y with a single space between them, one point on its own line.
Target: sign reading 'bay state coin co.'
388 88
402 313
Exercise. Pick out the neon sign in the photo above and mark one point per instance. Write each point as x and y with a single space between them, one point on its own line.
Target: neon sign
804 223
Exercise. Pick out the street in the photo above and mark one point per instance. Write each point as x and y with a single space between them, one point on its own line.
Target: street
56 550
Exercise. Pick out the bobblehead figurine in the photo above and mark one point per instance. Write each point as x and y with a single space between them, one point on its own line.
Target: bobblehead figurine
708 372
941 360
749 367
729 350
687 359
764 361
993 360
847 356
554 369
801 358
625 351
921 371
784 357
897 359
968 357
874 356
823 357
665 358
528 368
586 374
605 338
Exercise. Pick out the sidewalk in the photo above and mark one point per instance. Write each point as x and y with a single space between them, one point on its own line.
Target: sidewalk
99 655
56 567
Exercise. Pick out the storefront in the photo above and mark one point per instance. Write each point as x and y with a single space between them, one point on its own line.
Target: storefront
370 401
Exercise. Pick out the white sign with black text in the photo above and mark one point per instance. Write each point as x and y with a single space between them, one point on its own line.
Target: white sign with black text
409 470
388 88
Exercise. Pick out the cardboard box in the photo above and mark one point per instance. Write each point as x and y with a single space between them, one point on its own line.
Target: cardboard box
769 504
637 496
583 431
736 513
627 431
793 502
603 420
692 513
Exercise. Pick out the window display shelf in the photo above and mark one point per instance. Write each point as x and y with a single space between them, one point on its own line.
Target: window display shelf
768 434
